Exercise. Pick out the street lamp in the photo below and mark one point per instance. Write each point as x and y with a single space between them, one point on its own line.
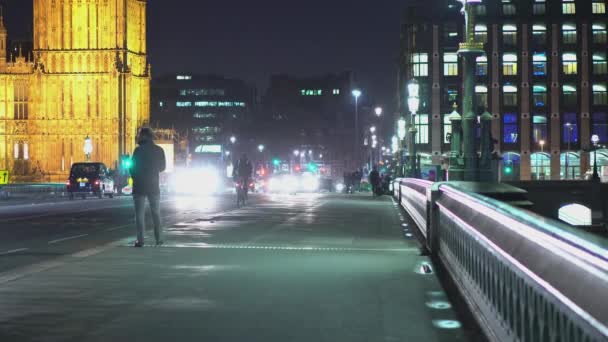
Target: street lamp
378 111
413 103
542 146
395 144
356 93
594 140
372 129
296 153
569 125
233 139
261 148
88 147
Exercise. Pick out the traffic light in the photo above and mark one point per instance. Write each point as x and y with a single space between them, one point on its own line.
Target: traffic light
276 162
126 163
312 167
508 167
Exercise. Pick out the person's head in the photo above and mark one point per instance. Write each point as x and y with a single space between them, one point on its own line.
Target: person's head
375 168
244 157
145 135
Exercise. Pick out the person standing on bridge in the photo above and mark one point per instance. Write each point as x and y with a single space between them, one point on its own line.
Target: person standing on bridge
148 163
374 181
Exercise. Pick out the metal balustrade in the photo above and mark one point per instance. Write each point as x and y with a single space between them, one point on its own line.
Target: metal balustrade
524 278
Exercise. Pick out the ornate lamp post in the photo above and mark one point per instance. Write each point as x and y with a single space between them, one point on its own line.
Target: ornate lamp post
413 103
88 147
401 131
469 51
594 140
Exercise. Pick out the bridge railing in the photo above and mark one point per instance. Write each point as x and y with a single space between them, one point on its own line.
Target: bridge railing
525 278
34 189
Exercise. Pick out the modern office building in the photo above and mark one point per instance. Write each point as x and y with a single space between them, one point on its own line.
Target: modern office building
312 114
206 109
543 78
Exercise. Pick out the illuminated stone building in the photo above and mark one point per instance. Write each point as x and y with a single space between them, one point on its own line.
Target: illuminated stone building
87 76
543 78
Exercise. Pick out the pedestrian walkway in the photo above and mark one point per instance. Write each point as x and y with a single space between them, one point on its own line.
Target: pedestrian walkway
292 268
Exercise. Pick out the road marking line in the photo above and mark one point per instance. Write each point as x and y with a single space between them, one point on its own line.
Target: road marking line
14 251
118 227
67 238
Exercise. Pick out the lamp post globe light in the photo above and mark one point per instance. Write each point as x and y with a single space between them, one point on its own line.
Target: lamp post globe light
261 148
595 139
378 111
356 93
372 129
413 103
233 139
88 147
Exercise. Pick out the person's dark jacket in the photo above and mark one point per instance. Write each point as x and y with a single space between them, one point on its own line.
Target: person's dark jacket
148 163
374 178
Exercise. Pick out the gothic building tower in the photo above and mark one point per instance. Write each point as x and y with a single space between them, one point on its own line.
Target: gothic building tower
88 76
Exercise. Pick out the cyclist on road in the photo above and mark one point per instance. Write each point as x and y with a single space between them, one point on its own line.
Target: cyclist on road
242 172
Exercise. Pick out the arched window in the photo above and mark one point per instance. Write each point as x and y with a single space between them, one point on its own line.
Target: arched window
570 165
541 166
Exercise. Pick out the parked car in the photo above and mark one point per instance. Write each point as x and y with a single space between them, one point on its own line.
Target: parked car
90 179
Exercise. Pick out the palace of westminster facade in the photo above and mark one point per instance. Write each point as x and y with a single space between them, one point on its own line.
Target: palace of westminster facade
87 76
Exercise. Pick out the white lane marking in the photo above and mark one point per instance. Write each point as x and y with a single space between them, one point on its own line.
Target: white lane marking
118 227
67 238
14 251
289 248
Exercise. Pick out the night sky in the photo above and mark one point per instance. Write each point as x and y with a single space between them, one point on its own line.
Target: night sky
254 39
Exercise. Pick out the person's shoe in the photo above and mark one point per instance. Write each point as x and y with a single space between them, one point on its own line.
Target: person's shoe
160 243
138 244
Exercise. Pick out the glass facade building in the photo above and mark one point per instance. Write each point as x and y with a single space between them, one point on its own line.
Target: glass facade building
543 78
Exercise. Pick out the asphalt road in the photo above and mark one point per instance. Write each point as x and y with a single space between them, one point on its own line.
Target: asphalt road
43 230
308 267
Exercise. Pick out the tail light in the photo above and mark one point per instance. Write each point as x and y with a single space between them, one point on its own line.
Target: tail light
97 182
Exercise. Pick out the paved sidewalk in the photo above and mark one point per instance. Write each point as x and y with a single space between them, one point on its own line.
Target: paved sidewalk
304 268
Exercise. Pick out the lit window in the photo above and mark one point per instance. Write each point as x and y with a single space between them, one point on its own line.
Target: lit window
541 166
600 97
160 104
569 128
420 64
570 66
422 125
482 66
540 128
447 128
599 33
510 132
336 92
450 31
480 9
599 64
481 96
509 34
450 64
569 33
183 104
509 95
481 33
599 122
539 95
311 92
568 7
206 104
539 34
508 8
598 7
539 64
569 97
538 7
451 95
204 115
509 64
183 77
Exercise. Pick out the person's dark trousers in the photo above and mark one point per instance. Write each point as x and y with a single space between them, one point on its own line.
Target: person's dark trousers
140 216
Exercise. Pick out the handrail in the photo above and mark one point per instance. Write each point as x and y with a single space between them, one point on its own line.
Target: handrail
526 279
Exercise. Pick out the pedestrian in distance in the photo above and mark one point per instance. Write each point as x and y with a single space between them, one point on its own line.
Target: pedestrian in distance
374 181
148 162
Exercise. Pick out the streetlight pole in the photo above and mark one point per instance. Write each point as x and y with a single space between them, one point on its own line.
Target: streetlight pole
569 125
542 164
413 102
594 140
356 93
401 131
